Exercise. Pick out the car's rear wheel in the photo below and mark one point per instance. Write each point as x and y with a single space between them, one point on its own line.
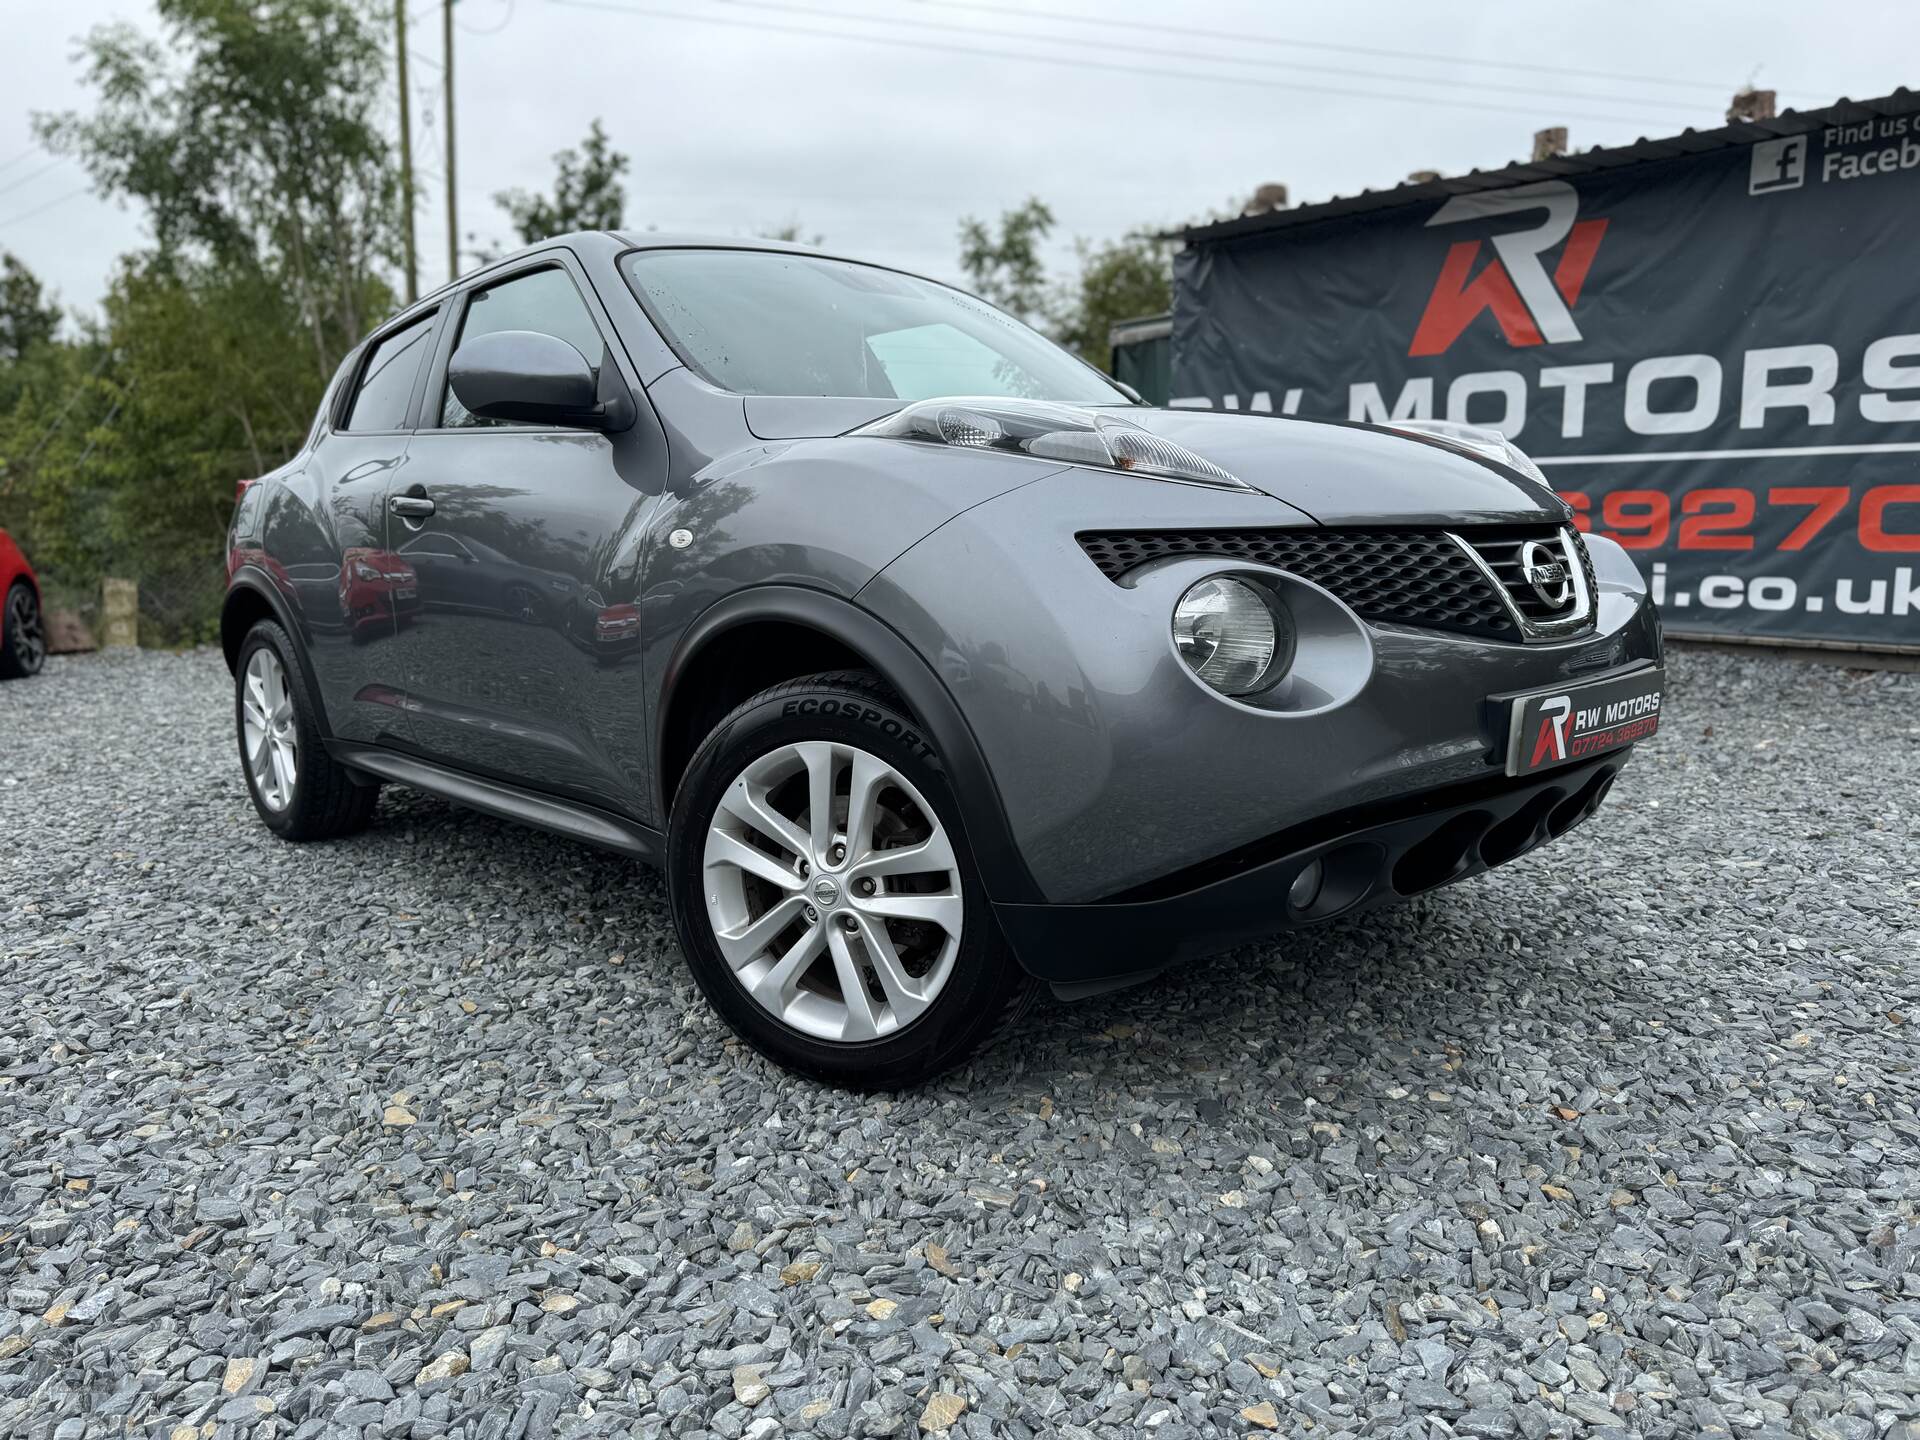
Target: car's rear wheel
23 635
299 790
824 894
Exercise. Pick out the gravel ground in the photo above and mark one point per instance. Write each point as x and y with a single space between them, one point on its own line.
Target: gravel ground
427 1133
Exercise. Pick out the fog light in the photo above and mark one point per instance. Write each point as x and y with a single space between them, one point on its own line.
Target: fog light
1231 636
1306 886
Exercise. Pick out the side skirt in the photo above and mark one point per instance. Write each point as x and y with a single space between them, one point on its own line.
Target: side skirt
585 823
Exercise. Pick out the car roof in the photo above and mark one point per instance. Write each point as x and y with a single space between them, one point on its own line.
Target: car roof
694 240
613 243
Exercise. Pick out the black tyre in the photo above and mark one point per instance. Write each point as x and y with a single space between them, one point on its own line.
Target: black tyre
23 635
299 790
823 890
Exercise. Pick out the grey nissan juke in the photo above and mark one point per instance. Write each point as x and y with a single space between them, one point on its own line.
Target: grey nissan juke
930 664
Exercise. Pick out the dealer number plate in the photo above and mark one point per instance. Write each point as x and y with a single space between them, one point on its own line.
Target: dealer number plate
1578 722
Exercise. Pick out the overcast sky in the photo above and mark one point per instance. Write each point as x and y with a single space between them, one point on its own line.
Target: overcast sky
745 114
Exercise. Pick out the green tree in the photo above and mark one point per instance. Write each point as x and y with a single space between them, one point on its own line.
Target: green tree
587 193
129 442
26 319
52 402
252 135
1119 280
254 138
1005 266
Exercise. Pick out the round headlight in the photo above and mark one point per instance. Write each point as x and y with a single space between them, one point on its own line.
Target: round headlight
1230 635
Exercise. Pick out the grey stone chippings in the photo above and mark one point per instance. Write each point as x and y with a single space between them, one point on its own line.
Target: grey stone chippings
427 1133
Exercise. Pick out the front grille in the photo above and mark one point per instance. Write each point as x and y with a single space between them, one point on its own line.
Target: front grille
1423 578
1505 555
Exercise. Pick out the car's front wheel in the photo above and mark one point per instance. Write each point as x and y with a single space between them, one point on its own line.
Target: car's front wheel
823 891
299 790
23 636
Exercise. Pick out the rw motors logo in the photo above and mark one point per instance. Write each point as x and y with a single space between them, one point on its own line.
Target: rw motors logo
1531 306
1583 722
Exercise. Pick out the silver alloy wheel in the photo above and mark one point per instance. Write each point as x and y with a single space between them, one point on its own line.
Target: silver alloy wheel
25 630
271 743
833 891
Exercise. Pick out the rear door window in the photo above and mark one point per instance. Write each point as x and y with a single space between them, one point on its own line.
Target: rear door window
386 380
330 402
246 520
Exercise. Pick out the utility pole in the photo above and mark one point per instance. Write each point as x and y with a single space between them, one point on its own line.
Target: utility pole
453 208
406 148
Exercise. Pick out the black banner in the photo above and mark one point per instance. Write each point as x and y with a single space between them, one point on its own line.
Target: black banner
1715 360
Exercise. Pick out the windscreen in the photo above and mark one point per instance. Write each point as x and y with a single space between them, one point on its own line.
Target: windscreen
760 322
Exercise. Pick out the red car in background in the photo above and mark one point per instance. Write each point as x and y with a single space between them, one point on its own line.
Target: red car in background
23 633
378 590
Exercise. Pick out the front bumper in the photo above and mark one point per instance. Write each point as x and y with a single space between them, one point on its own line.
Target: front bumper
1116 767
1370 856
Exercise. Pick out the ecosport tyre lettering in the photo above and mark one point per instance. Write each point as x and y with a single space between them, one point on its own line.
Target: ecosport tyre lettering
824 894
300 791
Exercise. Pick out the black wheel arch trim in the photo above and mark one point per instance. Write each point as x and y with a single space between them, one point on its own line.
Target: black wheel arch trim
255 581
982 817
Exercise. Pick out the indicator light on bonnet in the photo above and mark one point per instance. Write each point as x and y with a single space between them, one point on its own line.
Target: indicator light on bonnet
1068 434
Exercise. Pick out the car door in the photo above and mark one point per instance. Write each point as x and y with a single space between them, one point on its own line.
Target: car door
527 540
328 537
446 568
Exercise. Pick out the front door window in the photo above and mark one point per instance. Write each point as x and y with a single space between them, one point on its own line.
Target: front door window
544 301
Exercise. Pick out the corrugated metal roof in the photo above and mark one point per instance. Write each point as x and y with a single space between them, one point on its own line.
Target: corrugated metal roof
1141 327
1688 142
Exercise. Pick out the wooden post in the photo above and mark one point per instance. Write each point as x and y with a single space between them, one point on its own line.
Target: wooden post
406 147
453 203
119 613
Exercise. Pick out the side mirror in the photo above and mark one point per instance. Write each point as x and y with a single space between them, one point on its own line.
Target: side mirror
538 380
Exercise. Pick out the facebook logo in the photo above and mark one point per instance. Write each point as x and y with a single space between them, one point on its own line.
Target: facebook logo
1778 165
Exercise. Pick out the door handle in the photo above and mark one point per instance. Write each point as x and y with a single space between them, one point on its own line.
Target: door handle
411 507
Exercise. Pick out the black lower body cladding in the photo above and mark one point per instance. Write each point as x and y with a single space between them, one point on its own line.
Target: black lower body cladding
1371 856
